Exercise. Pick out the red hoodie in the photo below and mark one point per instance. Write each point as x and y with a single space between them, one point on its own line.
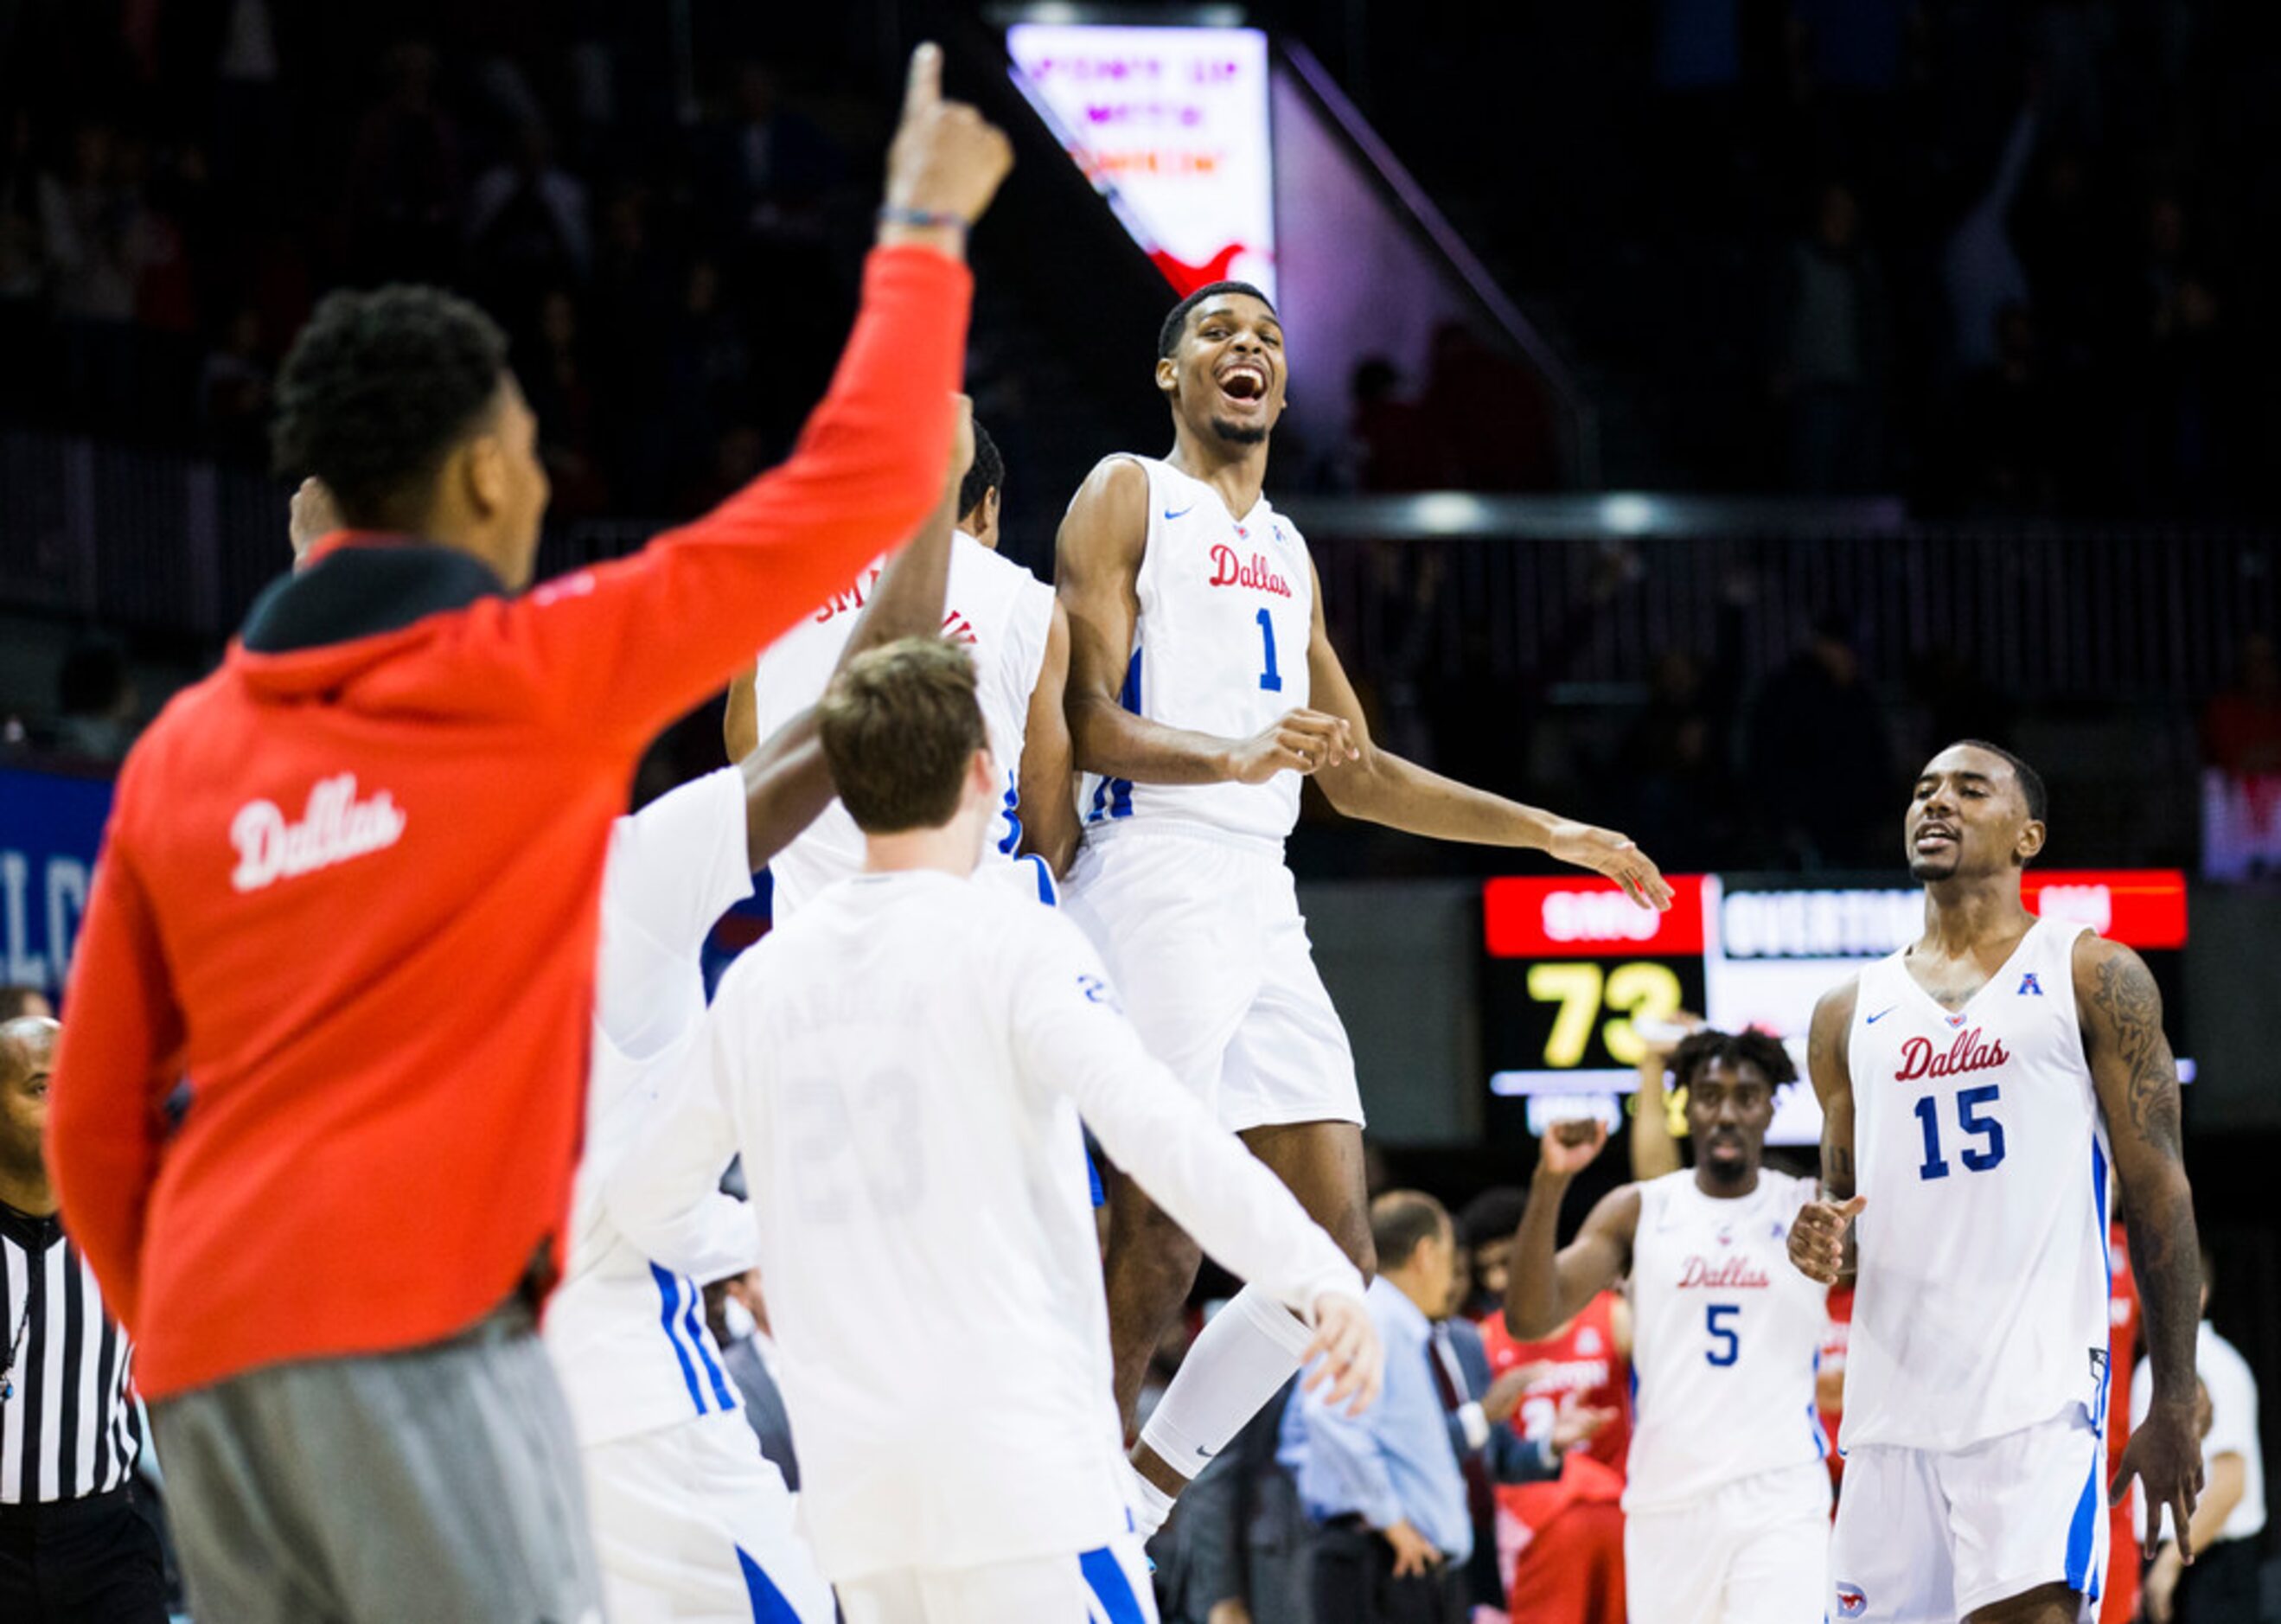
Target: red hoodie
348 894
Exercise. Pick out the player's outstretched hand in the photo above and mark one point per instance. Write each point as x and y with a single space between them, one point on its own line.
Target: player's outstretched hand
945 158
1569 1147
1301 741
2165 1455
961 440
1351 1356
1573 1422
1817 1238
1604 851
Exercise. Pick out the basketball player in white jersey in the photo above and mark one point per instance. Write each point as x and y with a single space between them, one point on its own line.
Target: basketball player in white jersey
690 1521
1202 687
1019 636
902 1066
1976 1088
1726 1497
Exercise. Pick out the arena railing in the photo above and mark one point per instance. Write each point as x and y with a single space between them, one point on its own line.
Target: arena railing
1441 583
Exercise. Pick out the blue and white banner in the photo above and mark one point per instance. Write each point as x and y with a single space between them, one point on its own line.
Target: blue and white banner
50 826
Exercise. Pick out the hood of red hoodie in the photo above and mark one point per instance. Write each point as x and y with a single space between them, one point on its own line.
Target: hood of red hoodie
358 605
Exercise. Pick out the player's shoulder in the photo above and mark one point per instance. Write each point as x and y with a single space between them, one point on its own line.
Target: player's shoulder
1835 1007
2109 970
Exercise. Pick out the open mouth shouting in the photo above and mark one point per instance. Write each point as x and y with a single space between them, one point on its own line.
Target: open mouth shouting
1244 383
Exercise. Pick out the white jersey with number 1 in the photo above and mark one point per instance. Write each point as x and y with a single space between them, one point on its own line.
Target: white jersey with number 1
1227 606
999 611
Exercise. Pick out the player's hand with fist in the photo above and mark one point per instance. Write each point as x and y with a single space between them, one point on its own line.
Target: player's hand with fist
1300 741
1568 1147
1605 852
1817 1237
1346 1353
944 165
1414 1555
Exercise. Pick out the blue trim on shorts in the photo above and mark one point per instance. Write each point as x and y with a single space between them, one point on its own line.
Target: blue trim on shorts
669 1289
1046 893
768 1603
728 1400
1092 1178
1104 1575
2082 1533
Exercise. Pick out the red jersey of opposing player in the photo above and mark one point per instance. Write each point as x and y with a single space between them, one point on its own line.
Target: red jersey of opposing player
1560 1544
2123 1561
1830 1374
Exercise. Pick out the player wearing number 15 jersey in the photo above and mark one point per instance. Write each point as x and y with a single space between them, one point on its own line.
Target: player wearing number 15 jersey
1976 1088
1726 1500
1202 686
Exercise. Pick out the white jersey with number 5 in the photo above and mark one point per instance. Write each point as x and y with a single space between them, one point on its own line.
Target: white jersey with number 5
1726 1336
999 611
1227 608
1977 1139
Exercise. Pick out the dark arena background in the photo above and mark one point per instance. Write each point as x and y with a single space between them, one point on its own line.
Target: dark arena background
1701 411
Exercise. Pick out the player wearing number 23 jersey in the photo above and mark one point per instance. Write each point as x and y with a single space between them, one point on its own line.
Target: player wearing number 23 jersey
1977 1086
1726 1500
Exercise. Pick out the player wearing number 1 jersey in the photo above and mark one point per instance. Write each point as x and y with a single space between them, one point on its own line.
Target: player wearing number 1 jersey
1976 1088
1202 687
1726 1500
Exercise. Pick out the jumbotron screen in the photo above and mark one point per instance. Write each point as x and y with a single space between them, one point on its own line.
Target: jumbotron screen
1572 971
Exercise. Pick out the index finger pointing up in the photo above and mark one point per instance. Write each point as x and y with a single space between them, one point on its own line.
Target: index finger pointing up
923 87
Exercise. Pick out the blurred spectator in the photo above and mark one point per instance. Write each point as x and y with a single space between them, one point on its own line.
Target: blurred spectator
554 380
2180 391
1393 447
1485 417
17 1001
1386 1489
777 165
1821 767
403 199
90 225
1487 1225
2007 426
234 390
1981 269
528 225
1241 1541
96 702
1832 367
2241 727
1673 771
2223 1585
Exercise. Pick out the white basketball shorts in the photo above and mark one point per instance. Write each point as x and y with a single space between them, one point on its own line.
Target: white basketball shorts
1752 1552
1928 1536
691 1522
1203 937
1108 1585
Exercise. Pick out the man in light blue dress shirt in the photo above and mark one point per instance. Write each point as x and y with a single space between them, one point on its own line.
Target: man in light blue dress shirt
1387 1485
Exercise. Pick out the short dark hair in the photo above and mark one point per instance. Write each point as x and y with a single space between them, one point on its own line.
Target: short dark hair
1750 1047
899 725
987 474
377 389
1401 1221
1168 336
1493 1215
2031 782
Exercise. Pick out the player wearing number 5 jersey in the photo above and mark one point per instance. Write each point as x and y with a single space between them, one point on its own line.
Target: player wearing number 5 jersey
1726 1500
1201 687
1976 1088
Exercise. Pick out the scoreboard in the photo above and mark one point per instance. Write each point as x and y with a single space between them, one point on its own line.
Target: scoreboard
1572 971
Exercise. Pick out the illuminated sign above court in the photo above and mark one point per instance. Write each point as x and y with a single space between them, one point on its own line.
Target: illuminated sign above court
1171 126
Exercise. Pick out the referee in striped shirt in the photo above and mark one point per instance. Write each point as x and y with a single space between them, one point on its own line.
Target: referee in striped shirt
73 1545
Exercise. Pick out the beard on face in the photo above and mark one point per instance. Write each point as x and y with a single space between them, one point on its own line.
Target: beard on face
1925 871
1239 434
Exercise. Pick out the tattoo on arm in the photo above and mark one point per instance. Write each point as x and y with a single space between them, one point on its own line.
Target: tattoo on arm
2127 996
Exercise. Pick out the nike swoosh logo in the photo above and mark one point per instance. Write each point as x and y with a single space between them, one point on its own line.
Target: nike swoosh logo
1183 514
1207 1454
1880 1015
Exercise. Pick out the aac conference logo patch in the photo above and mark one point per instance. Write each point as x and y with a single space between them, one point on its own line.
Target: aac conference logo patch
1851 1604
